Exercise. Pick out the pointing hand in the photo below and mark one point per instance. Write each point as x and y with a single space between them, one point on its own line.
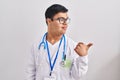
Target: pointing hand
82 49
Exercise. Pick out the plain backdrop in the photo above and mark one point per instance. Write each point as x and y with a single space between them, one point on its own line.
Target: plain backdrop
22 23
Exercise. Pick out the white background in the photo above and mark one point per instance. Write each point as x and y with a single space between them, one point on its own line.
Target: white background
22 23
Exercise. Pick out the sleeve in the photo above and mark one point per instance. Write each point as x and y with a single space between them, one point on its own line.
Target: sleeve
30 71
79 67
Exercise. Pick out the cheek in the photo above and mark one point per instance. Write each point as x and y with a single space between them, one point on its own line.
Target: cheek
54 28
57 27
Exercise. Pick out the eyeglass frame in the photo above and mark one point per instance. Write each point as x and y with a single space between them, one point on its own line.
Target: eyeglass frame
62 19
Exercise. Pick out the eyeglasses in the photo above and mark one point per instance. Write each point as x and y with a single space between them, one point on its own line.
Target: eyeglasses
63 20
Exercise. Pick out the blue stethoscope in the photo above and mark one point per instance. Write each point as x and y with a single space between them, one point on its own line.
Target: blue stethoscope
45 44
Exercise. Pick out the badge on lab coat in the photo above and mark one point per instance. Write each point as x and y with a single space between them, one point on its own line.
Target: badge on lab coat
66 64
52 77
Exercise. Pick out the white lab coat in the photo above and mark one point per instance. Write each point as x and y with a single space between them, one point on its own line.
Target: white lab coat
38 64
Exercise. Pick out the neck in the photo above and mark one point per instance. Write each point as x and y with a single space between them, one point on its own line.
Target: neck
53 38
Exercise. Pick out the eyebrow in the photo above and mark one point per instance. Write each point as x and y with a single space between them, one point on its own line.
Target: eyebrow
63 17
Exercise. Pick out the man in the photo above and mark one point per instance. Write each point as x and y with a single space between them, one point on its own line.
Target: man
57 57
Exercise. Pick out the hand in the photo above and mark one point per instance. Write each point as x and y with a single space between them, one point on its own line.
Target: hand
82 49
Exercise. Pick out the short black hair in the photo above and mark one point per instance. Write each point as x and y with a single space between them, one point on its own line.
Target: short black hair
54 9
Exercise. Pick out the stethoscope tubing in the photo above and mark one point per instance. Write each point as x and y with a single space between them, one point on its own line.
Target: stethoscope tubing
43 42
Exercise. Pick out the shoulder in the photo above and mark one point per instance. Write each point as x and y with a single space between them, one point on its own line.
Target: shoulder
71 44
36 43
70 41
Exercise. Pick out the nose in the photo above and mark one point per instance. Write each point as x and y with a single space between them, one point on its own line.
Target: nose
65 23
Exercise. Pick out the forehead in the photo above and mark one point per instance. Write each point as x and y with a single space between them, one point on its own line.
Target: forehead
61 14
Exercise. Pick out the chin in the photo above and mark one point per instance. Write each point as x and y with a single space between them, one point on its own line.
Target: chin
63 32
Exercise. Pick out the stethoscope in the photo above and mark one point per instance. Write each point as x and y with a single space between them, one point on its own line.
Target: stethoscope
45 44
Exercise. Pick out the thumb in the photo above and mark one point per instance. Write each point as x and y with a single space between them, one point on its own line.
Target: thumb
89 45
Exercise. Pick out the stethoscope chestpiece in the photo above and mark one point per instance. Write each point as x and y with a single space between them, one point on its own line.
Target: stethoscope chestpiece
62 63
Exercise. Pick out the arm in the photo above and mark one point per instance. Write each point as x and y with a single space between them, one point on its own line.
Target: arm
30 70
80 64
79 67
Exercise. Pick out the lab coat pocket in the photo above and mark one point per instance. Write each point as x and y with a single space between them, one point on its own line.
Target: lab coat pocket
65 69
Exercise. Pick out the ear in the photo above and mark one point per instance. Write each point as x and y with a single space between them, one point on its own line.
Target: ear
48 20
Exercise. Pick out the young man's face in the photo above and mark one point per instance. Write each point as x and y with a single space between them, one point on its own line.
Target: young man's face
58 25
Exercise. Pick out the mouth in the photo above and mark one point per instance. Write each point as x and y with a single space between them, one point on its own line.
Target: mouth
64 28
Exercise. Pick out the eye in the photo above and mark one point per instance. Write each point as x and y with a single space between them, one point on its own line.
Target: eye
62 19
